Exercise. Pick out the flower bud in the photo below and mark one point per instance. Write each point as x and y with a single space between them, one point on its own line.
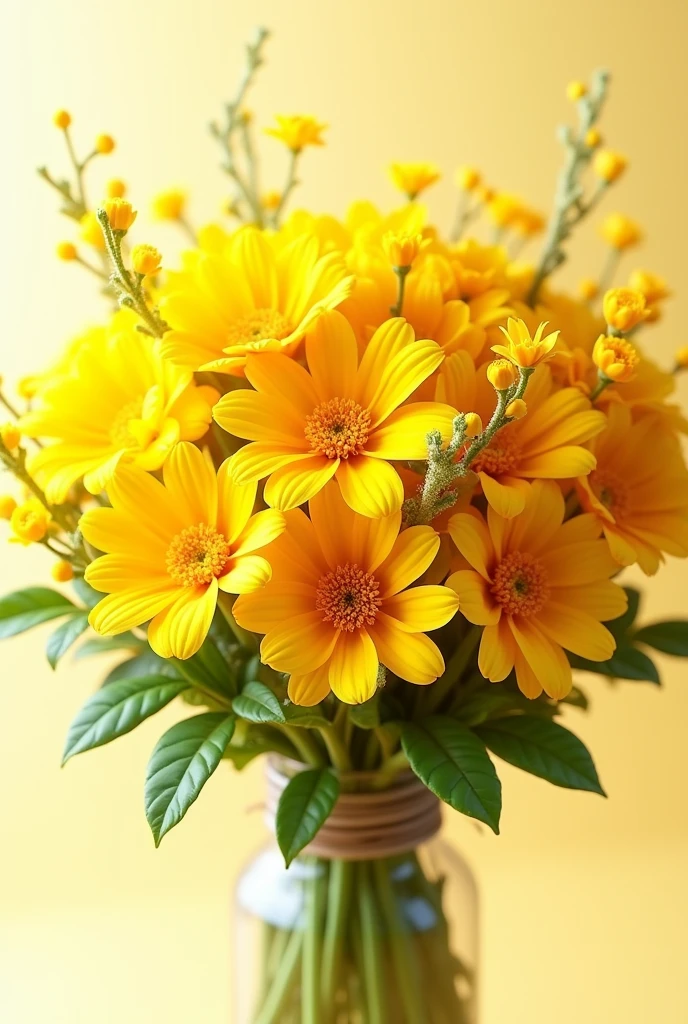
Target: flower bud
615 358
271 200
517 409
120 213
624 308
66 251
588 289
10 435
400 248
27 387
620 231
30 522
592 138
62 119
682 357
169 205
468 178
104 144
576 91
115 188
62 571
474 424
609 165
145 259
501 374
7 506
653 287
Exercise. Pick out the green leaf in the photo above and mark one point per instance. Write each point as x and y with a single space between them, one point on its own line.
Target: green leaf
25 609
103 644
86 593
306 717
118 708
668 637
619 627
305 805
146 664
67 633
453 763
208 668
181 764
543 748
366 715
626 663
257 703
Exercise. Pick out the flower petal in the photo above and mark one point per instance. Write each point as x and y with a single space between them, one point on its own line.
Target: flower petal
402 375
259 417
506 496
235 502
560 464
546 659
128 608
411 656
472 538
577 564
281 378
421 609
353 667
294 484
576 631
475 600
259 612
111 573
261 458
370 487
300 644
332 355
246 574
497 651
191 483
388 340
403 434
309 689
261 529
413 553
179 631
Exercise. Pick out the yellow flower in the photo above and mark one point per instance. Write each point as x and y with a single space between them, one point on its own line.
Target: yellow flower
145 259
539 586
116 401
271 200
340 419
120 213
620 231
66 251
615 358
297 131
576 91
521 348
468 178
588 289
474 424
10 435
61 571
528 222
30 522
91 231
624 308
609 165
653 287
340 603
170 548
115 188
501 374
401 249
104 144
169 205
682 357
413 178
517 409
253 294
62 119
28 386
592 138
638 490
7 506
504 209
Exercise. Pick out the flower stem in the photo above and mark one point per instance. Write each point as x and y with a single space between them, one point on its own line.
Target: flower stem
340 885
405 963
402 273
371 946
310 962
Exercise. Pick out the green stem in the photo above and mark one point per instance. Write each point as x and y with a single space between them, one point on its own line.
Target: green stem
402 273
271 1010
292 182
9 406
453 671
406 974
338 752
371 946
340 885
310 963
609 270
308 749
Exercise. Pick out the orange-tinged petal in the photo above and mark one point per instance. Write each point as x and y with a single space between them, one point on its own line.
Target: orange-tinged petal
261 458
309 689
333 524
369 486
262 611
578 564
472 538
497 651
604 601
540 520
370 541
179 631
191 484
261 529
128 608
560 464
421 609
528 682
300 644
297 483
506 496
411 656
576 631
296 556
245 575
475 601
413 553
623 548
546 658
403 434
332 354
353 667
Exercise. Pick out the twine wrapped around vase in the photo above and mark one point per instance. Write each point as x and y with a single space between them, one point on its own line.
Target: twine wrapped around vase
366 825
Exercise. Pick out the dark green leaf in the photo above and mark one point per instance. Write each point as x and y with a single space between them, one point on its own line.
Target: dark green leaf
620 627
103 644
494 700
453 763
86 593
668 637
242 755
181 764
626 663
543 748
118 708
67 633
257 703
208 668
366 715
305 805
577 698
25 609
146 664
308 718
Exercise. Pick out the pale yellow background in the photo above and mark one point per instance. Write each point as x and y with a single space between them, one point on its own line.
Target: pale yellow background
585 901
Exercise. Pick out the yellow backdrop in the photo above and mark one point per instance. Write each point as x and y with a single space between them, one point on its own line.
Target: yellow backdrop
584 901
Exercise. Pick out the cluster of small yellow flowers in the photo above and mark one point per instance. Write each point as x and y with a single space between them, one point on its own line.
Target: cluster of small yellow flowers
413 178
401 249
169 205
620 231
297 131
525 350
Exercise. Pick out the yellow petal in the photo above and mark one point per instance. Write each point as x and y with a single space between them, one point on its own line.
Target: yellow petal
260 417
421 609
402 375
296 556
294 484
309 689
403 434
332 355
235 502
251 250
577 631
110 529
546 659
604 601
191 484
132 607
261 529
246 574
411 656
506 496
413 553
370 487
261 458
475 601
386 343
560 464
578 564
179 631
281 378
472 538
299 644
111 573
497 651
353 667
528 682
334 523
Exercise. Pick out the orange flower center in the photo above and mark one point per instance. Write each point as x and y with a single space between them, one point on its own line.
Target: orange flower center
120 432
501 456
338 428
611 490
349 597
197 555
260 325
519 584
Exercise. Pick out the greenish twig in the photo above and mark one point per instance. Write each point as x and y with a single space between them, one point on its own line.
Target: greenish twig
402 273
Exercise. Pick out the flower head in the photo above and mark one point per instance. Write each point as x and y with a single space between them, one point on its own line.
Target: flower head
624 308
66 251
523 349
502 374
62 571
169 205
615 358
91 231
10 436
413 178
30 522
115 188
120 213
400 248
516 410
609 165
7 506
104 144
681 356
593 138
145 259
62 119
576 90
588 289
620 231
539 586
172 546
468 178
297 131
340 602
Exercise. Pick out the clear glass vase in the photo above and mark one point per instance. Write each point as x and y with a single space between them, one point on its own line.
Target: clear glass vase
388 940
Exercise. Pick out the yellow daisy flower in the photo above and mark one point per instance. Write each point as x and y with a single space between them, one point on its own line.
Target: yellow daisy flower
172 547
338 419
252 294
339 603
114 401
297 131
638 491
413 178
522 349
538 586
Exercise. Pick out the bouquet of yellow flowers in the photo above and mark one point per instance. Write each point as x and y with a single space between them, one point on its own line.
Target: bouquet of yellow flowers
358 493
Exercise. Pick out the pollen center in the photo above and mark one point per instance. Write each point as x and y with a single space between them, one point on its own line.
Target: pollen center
611 490
120 432
349 597
260 325
338 428
501 456
519 584
197 555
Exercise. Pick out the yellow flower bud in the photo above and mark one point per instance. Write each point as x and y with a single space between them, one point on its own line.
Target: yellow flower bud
66 251
169 205
624 308
7 506
501 374
504 209
682 357
576 91
115 188
120 213
615 358
609 165
91 231
620 231
517 409
30 522
271 200
653 287
521 348
62 119
10 435
145 259
474 424
485 194
528 222
62 571
468 178
297 131
27 387
413 178
592 138
104 144
588 289
400 248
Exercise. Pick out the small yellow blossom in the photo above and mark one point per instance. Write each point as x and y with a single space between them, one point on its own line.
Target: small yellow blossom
91 231
169 205
576 91
485 193
7 506
400 248
624 308
62 119
592 138
682 357
271 200
145 259
61 571
120 213
528 222
27 387
609 165
66 251
517 409
620 231
522 349
468 178
104 144
504 209
10 435
30 522
588 288
297 131
501 374
413 178
474 424
615 358
653 287
115 188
